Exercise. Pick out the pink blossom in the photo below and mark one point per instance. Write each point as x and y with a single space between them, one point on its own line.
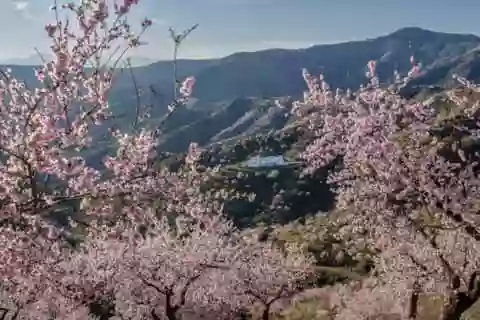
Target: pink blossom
395 173
186 88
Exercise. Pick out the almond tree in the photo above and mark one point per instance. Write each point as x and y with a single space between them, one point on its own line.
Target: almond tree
268 276
131 263
24 258
44 130
173 270
182 270
411 182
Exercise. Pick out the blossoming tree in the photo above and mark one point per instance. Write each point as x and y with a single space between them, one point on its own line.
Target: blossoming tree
132 261
410 180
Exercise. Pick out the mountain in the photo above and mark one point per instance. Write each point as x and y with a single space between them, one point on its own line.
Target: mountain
235 95
240 117
442 71
36 59
234 112
33 59
257 77
277 72
138 61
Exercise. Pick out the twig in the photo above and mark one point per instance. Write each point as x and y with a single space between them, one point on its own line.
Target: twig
177 41
137 94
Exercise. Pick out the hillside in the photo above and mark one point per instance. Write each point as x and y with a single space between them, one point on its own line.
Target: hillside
274 73
234 95
405 171
277 72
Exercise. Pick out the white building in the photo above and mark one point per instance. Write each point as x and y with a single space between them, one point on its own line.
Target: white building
269 161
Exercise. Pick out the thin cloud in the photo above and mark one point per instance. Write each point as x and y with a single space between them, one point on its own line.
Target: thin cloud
285 44
160 22
21 5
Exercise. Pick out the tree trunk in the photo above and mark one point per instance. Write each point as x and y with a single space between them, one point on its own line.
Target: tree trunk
412 314
266 312
170 310
460 305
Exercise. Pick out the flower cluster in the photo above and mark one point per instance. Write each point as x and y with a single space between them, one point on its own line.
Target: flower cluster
141 242
410 182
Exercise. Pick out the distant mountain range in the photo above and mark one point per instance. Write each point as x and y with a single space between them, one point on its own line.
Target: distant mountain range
277 72
36 59
234 95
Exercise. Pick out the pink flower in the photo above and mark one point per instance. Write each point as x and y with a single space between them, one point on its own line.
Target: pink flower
372 64
40 75
194 153
146 23
128 3
50 28
187 87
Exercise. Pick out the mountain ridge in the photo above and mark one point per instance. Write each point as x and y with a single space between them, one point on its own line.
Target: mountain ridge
233 94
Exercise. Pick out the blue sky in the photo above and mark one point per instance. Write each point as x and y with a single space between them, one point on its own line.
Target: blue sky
228 26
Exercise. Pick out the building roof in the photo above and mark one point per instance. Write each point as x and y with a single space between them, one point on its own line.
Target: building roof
268 161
